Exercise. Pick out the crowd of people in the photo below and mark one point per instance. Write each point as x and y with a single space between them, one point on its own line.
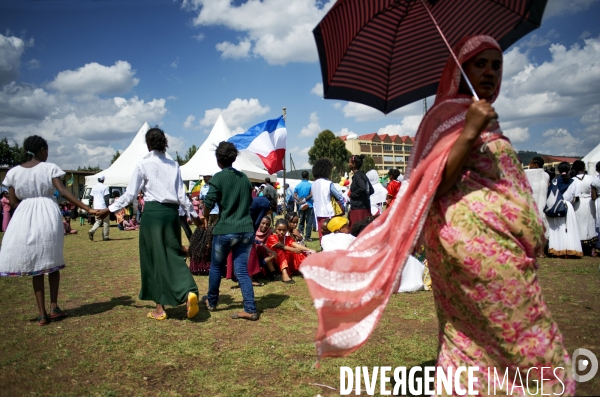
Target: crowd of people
571 231
476 216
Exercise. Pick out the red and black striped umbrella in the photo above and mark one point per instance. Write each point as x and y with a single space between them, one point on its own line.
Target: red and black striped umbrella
389 53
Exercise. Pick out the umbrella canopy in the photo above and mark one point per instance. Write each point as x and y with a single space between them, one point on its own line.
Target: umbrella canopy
389 53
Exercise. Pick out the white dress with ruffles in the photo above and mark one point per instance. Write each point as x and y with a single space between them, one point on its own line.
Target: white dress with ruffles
33 242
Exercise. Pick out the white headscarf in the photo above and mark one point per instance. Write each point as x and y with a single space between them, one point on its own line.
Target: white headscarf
380 194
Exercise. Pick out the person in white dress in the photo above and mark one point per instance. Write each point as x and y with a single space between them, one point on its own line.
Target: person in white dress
596 193
585 209
33 242
379 195
563 231
539 181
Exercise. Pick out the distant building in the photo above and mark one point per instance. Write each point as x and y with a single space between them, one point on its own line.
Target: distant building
551 162
388 151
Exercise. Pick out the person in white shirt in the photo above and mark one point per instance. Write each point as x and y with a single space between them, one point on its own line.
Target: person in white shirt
340 237
100 196
166 279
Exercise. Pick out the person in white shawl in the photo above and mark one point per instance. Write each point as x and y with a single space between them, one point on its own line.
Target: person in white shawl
585 209
563 231
339 237
379 195
596 186
539 181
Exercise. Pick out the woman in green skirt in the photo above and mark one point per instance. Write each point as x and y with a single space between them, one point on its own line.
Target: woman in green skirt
166 279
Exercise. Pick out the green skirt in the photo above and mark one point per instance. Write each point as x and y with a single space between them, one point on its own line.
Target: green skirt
166 279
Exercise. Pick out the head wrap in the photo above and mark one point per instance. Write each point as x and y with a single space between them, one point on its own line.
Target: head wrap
336 223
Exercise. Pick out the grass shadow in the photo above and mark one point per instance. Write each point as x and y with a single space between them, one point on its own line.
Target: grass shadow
100 307
271 301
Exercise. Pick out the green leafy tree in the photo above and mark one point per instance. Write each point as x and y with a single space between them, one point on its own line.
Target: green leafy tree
327 145
89 168
190 153
115 157
369 164
11 155
179 159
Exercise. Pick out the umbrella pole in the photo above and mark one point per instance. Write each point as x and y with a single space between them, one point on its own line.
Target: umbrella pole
451 52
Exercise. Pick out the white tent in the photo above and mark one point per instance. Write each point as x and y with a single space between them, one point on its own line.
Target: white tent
204 161
591 159
119 172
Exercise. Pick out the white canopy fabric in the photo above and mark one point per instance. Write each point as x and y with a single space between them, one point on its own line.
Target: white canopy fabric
204 161
119 173
591 159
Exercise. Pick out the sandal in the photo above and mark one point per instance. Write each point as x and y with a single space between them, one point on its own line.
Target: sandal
258 284
208 305
290 281
253 317
57 313
160 317
43 320
192 305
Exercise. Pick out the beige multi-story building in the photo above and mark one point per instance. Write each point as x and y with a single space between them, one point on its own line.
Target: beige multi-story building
388 151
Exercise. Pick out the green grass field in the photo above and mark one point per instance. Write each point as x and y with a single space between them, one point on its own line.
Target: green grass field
107 346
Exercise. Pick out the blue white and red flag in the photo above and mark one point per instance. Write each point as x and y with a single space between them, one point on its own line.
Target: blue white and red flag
267 140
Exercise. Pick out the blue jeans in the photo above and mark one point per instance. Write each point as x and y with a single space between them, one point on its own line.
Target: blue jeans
239 244
307 216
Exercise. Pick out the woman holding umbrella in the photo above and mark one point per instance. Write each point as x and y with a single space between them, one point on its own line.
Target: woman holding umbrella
467 192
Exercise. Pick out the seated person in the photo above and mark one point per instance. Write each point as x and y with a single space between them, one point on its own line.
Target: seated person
67 226
290 254
266 256
293 219
358 227
130 224
200 251
339 237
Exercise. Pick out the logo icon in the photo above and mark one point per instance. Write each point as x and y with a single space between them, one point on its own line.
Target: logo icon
581 364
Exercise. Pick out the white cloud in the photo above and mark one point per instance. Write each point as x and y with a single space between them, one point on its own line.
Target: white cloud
535 40
313 127
199 37
361 112
266 26
188 124
171 98
33 64
238 113
233 51
175 63
11 49
94 78
562 87
317 90
408 126
561 7
517 134
562 142
79 133
344 131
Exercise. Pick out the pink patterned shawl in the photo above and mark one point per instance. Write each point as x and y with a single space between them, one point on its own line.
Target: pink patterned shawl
351 288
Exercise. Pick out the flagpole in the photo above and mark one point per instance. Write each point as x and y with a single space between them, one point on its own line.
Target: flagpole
284 209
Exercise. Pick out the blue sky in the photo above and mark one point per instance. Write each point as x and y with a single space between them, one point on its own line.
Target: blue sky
87 74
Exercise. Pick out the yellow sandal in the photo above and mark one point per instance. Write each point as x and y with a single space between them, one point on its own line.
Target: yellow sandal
163 316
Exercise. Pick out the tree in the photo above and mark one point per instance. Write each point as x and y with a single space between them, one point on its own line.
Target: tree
188 155
115 157
11 155
89 168
369 164
327 145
